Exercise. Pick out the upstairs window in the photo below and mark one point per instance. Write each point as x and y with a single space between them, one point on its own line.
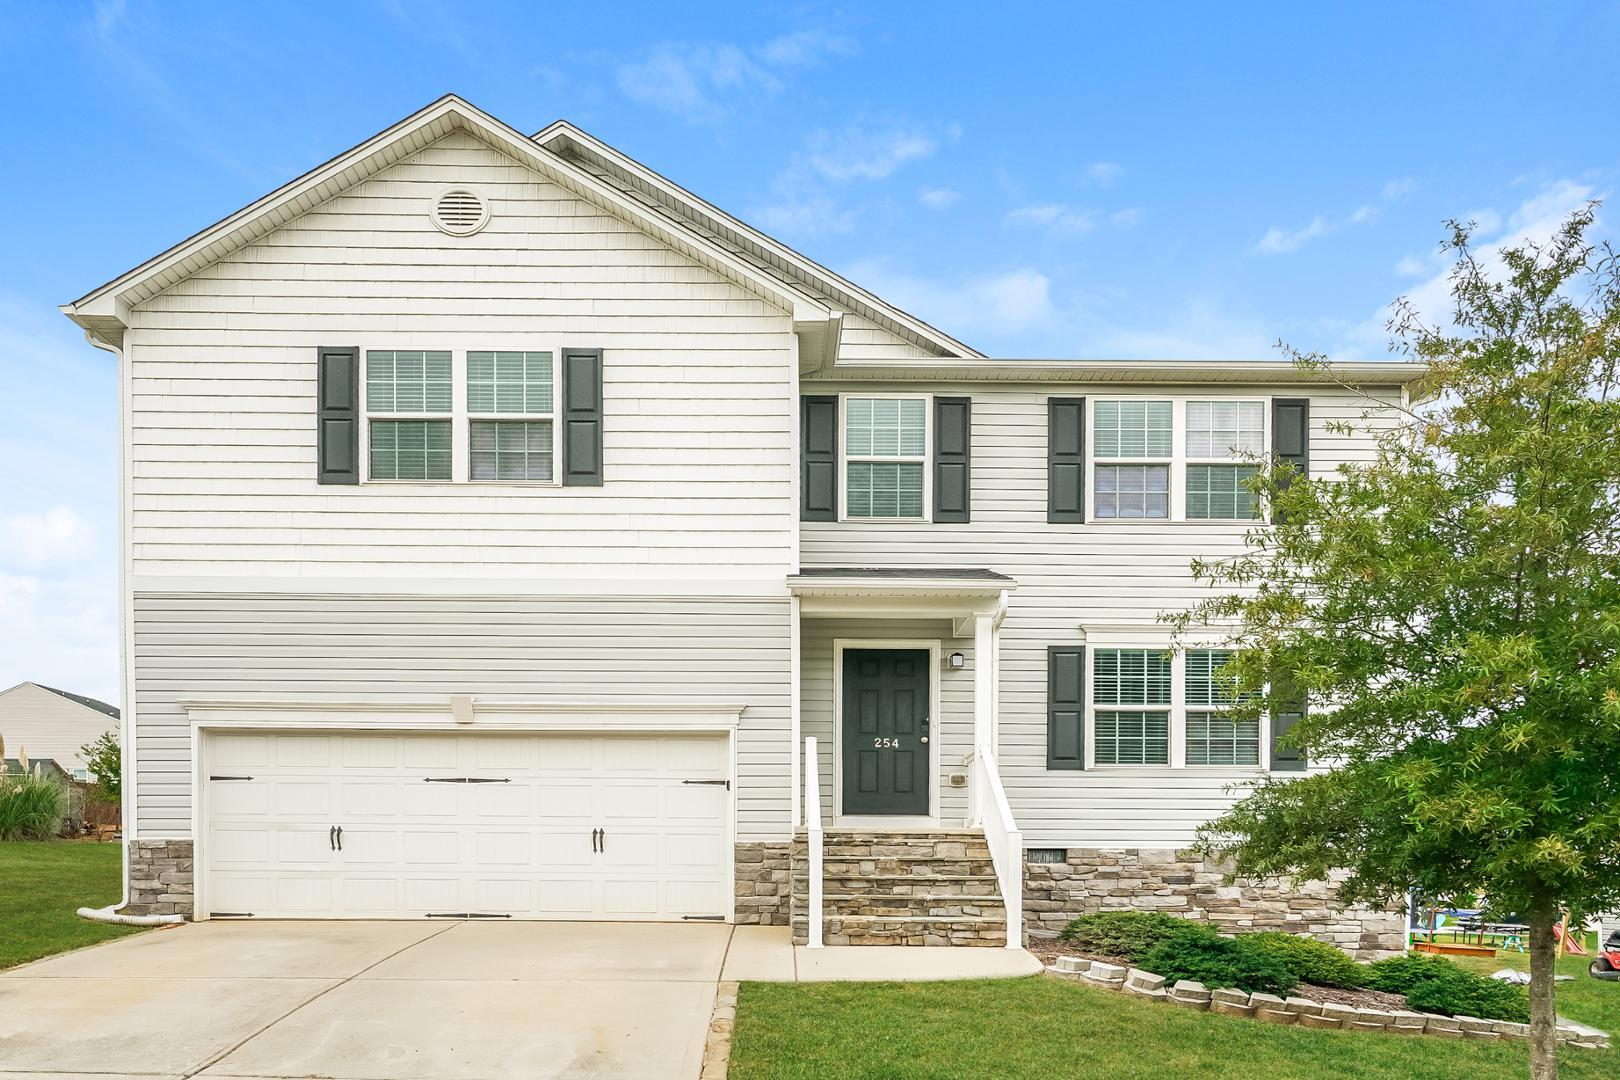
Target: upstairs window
1212 738
1219 435
409 403
1131 690
1132 446
511 403
885 457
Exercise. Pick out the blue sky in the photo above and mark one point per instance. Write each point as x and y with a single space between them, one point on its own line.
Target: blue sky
1098 180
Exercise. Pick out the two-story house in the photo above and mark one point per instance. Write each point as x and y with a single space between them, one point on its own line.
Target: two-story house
505 527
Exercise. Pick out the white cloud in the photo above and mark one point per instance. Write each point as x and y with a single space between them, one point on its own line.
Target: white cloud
857 153
1055 216
1536 218
60 634
1104 173
1280 241
57 536
938 198
1398 188
803 215
1011 302
1127 217
696 81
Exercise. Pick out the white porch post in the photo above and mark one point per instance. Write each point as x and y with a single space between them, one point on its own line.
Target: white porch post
797 814
984 684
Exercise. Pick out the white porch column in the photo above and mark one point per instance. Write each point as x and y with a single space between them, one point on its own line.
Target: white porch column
797 815
984 684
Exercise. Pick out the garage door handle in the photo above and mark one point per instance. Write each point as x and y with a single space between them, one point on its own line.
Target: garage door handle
340 837
331 838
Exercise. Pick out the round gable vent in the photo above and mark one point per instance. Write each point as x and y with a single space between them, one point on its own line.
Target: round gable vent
460 212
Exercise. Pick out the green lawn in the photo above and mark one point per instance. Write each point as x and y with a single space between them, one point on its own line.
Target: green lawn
1042 1027
42 885
1586 1000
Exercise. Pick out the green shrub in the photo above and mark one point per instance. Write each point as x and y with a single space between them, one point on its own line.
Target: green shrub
1127 934
1309 960
1435 984
1196 953
31 807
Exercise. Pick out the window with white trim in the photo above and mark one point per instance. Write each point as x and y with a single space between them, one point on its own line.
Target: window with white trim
1130 696
1175 459
1132 445
408 406
885 457
502 427
511 401
1213 738
1220 434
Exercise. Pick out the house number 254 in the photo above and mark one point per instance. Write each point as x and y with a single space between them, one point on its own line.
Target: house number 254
886 744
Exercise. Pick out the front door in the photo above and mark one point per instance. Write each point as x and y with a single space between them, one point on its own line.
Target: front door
885 731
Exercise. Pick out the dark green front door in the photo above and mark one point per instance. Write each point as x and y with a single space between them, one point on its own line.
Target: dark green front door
885 731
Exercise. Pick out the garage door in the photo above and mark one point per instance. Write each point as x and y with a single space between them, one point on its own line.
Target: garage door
353 825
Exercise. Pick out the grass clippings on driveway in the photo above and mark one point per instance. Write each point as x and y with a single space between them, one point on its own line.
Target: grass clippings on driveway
43 884
1044 1027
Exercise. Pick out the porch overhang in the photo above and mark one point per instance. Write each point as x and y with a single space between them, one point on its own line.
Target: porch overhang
956 594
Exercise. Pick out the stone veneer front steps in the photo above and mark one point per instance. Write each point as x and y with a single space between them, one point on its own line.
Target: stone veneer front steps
901 887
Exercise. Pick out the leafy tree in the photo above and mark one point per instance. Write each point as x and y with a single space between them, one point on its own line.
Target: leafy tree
106 763
1450 610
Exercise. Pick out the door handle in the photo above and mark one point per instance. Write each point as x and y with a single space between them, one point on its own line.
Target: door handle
340 837
593 840
331 838
604 841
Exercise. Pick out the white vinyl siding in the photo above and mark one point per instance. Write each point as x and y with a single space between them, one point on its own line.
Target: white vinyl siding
320 649
699 391
1101 573
885 457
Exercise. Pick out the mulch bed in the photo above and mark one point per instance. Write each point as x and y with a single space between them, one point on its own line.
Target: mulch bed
1047 950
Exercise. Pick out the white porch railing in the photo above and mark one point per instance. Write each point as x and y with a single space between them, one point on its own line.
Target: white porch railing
812 823
988 809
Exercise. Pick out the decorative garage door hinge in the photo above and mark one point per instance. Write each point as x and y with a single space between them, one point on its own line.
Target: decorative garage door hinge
230 778
466 780
465 915
715 783
230 914
704 918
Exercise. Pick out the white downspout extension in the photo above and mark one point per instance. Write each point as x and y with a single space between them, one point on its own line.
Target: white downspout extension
126 613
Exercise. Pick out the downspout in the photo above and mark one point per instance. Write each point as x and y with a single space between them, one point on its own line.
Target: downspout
126 726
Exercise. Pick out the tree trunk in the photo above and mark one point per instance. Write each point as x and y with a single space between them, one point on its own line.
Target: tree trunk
1543 1009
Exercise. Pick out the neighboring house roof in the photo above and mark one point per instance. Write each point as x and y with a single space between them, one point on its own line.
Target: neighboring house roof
99 706
47 767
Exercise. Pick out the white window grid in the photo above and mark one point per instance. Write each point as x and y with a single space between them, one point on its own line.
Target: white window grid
1251 438
498 414
1215 708
925 459
1178 460
459 416
1177 708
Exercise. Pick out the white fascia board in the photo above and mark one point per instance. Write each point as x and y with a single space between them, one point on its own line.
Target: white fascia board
743 231
342 172
1360 373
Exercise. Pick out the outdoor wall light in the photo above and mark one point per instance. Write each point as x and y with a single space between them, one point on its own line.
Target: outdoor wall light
957 661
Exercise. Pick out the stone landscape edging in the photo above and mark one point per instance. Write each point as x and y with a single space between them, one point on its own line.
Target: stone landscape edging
1303 1011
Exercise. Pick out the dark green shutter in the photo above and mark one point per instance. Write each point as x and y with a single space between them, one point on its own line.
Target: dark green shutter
1066 459
1291 437
337 415
953 453
818 467
1288 711
1066 707
582 417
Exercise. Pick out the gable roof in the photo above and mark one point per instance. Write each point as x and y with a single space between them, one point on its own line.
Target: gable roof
663 196
103 311
78 699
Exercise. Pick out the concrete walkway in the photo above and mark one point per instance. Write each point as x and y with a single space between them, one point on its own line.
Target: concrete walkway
414 1001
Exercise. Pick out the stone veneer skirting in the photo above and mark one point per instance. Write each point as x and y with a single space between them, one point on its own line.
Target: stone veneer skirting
1182 883
764 884
160 878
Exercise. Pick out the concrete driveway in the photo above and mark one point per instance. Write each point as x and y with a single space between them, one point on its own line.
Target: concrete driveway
370 1001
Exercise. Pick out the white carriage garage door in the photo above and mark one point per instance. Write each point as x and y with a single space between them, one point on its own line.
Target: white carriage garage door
367 825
